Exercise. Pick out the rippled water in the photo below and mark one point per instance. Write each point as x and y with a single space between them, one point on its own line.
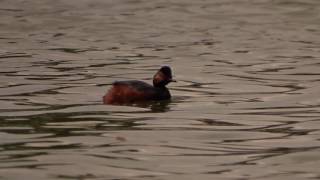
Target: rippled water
246 104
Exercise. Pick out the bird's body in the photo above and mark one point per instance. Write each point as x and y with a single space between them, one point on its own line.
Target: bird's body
132 91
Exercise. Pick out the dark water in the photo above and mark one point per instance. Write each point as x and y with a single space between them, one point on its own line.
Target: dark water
246 105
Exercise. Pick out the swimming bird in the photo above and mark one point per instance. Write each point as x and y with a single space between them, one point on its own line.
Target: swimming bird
132 91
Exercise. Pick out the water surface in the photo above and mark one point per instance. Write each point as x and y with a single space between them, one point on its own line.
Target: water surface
246 104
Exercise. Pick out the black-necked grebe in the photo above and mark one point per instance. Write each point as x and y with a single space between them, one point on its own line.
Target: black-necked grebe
136 91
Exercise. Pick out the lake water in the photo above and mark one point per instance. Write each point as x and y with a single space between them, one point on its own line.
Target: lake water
246 104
